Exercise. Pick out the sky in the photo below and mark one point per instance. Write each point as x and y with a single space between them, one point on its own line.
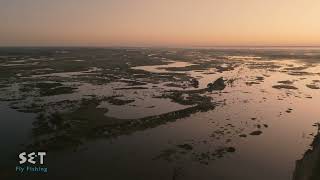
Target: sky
159 23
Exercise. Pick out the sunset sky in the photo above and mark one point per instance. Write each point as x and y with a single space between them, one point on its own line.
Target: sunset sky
159 22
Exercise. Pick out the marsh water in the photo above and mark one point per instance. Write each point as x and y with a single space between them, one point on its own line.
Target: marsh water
144 113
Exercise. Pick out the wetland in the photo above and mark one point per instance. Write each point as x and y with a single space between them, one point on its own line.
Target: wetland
160 113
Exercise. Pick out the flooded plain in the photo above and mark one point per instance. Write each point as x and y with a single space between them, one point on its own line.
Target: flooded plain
142 113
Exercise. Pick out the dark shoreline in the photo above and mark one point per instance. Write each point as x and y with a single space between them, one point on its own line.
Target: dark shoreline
308 168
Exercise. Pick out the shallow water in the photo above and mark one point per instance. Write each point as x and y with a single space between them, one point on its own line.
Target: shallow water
150 113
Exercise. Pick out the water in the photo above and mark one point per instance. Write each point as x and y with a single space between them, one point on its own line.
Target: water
148 113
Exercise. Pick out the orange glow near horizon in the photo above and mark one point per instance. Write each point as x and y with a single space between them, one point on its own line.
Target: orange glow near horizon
160 22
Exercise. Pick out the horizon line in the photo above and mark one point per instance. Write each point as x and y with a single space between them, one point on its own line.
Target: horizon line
160 46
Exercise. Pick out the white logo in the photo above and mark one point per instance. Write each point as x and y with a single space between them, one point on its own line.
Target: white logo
31 157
